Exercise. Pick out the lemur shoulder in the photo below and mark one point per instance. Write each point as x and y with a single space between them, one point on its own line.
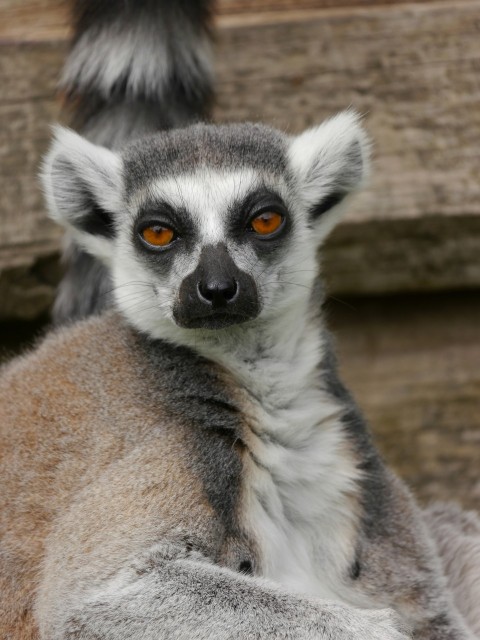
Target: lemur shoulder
188 464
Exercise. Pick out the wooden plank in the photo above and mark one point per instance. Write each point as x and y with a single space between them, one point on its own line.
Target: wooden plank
43 20
229 7
412 69
32 20
412 363
431 253
27 108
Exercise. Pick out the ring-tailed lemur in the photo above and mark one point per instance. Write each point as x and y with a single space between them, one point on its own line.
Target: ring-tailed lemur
189 465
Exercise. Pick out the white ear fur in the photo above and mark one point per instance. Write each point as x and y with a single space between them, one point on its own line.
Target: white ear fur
83 189
329 162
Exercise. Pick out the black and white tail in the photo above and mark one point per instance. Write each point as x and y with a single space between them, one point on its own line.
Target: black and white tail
135 66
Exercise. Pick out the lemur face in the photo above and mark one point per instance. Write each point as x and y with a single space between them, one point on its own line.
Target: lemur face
214 244
208 240
207 227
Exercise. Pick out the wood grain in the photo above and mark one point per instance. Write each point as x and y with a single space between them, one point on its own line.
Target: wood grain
228 7
43 20
412 363
412 69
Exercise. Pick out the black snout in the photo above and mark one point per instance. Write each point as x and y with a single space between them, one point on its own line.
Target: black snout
217 294
218 291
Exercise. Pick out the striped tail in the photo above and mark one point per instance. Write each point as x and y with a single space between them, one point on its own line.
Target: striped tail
135 67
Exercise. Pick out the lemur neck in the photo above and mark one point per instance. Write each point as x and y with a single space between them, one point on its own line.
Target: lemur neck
274 359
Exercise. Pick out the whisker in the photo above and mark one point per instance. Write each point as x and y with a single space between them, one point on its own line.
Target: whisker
296 284
346 304
126 284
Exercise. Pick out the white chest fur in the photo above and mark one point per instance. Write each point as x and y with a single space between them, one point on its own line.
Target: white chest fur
300 479
300 494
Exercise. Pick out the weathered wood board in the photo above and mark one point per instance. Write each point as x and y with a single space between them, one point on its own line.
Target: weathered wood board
412 69
47 19
413 363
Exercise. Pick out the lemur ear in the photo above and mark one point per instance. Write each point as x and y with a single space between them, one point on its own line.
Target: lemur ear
329 162
83 188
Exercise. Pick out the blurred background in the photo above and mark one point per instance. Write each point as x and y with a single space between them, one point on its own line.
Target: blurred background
403 270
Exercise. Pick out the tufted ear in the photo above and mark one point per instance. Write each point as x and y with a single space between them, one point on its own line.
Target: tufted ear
83 187
329 162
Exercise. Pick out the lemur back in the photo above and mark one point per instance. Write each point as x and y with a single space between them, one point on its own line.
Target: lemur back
189 464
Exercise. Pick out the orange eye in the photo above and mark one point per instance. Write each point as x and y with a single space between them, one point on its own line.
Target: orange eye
158 236
267 223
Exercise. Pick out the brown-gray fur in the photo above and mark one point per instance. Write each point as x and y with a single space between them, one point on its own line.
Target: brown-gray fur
121 508
121 461
457 535
99 486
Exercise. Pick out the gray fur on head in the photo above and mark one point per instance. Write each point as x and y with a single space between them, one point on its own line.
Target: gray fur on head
205 182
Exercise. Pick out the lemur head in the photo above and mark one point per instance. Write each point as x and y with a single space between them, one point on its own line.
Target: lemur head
207 227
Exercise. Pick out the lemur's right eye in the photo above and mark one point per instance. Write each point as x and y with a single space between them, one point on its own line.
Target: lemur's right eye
156 235
266 223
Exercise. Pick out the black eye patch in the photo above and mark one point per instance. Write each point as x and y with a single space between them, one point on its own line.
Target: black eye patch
163 212
242 211
158 214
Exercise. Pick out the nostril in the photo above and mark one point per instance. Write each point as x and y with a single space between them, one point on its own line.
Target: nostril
218 292
228 289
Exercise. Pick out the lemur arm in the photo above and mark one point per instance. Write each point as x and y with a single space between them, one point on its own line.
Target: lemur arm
176 594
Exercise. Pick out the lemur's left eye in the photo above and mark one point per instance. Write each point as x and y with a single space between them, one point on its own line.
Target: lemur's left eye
157 235
267 223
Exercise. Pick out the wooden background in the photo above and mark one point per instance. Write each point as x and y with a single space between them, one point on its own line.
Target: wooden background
404 267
